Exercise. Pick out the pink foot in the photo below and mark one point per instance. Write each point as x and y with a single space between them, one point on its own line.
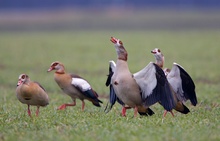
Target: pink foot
123 112
62 107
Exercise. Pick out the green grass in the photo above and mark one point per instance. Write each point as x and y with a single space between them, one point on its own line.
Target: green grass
87 53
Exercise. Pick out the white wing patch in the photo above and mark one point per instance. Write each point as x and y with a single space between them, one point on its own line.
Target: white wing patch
81 84
112 65
175 80
146 79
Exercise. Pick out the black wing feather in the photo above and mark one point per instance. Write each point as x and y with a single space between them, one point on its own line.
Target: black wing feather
161 92
112 96
188 86
108 81
89 93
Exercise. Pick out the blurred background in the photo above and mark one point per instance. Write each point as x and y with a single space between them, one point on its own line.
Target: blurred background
77 32
18 15
35 33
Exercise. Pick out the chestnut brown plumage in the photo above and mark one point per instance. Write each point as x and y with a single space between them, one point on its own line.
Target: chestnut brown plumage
74 86
31 93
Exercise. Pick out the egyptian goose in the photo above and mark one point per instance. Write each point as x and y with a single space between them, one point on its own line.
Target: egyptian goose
139 90
74 86
112 96
180 81
31 93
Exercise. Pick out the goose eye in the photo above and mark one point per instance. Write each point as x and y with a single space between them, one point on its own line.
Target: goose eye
158 50
120 42
23 76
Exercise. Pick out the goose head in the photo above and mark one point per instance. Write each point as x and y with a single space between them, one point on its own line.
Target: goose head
158 56
121 51
57 66
22 79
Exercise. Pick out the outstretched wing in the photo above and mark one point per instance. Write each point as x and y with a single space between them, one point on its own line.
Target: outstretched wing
182 84
154 86
112 96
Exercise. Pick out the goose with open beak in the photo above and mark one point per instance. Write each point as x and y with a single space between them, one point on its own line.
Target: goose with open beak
140 90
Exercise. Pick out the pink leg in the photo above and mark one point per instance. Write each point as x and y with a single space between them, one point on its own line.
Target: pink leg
135 111
165 113
83 105
37 111
29 111
123 112
62 107
172 113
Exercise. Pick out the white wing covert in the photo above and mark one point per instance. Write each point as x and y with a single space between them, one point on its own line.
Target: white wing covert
82 84
154 86
182 84
146 80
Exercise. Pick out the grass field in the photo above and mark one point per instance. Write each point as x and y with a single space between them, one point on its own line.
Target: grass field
87 53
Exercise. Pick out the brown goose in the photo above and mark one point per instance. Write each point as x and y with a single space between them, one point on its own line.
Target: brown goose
31 93
74 86
180 81
139 90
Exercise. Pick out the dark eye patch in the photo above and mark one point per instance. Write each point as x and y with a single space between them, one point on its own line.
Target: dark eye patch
23 76
120 42
158 50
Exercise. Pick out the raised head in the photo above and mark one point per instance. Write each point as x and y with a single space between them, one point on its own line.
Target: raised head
158 56
121 51
156 51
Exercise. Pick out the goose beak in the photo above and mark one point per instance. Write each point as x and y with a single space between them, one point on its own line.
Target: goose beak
50 69
153 52
113 40
19 82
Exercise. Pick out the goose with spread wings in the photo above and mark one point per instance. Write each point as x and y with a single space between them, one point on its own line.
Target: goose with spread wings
182 85
139 90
